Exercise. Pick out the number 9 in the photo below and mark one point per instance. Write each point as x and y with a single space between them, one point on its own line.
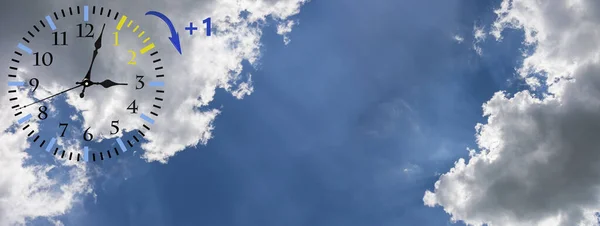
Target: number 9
34 82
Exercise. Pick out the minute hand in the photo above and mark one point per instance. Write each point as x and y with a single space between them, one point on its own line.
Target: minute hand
97 46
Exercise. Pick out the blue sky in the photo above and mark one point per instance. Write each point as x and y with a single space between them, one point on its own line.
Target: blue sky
348 125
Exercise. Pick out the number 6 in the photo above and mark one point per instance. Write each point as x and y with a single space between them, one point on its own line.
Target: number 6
88 136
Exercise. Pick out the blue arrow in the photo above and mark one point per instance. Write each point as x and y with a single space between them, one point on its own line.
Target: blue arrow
174 35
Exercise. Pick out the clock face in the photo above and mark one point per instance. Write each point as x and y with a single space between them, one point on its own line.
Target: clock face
91 77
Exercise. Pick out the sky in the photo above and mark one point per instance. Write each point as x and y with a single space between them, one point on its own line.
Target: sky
294 112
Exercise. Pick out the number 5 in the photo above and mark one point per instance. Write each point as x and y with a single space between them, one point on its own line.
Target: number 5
115 124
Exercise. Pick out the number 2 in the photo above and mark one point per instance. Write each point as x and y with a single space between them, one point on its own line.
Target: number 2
132 61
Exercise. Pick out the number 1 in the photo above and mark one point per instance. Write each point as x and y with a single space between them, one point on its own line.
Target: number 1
116 38
207 22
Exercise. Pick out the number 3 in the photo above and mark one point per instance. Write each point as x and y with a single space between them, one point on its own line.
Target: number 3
132 61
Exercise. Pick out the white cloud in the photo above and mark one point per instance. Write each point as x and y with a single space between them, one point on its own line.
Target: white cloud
479 35
222 70
32 191
411 169
207 63
284 29
459 39
538 157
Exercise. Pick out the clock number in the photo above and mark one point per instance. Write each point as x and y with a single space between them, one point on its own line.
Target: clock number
207 22
64 129
89 34
140 82
116 33
64 38
132 61
132 107
47 59
43 115
87 136
34 82
115 124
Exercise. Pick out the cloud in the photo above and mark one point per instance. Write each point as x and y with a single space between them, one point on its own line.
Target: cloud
207 63
238 40
537 162
30 191
479 35
284 29
459 39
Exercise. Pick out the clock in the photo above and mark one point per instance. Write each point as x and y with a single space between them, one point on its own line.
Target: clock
88 61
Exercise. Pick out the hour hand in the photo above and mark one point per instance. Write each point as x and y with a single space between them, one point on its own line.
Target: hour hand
108 83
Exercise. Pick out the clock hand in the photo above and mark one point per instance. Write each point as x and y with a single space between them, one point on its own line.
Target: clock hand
53 95
97 46
108 83
98 43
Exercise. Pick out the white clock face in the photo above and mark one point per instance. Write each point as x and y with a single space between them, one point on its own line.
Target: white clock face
118 86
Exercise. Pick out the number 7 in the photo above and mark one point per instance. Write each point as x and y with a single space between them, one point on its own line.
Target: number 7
65 129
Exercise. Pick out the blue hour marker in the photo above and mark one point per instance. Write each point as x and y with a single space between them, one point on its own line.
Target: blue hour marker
85 13
148 119
25 48
50 144
51 23
156 83
121 144
25 119
86 154
16 83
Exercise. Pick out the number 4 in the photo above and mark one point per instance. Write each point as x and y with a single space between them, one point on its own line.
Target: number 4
132 107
